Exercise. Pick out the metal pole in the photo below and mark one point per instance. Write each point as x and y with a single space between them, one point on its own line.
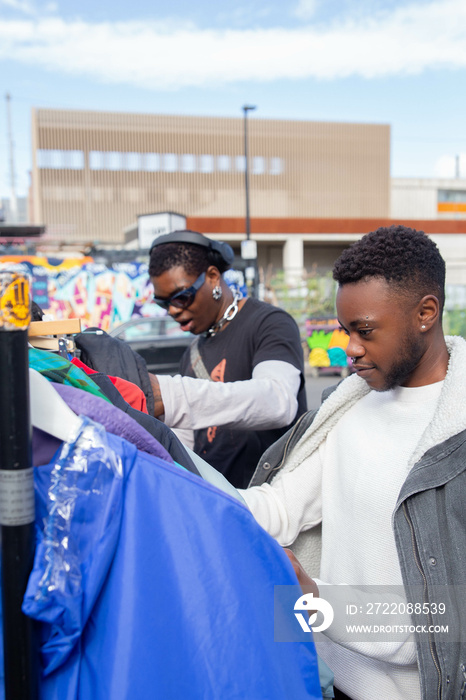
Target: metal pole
13 199
16 489
246 109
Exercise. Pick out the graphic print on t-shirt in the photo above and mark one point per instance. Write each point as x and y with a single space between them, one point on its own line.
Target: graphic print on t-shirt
217 375
218 372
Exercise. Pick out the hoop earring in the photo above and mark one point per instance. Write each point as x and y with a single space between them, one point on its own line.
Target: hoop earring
217 292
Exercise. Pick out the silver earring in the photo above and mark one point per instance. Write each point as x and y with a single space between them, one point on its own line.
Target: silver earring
423 327
217 292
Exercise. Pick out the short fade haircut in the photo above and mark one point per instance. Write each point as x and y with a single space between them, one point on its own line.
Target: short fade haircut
407 259
194 259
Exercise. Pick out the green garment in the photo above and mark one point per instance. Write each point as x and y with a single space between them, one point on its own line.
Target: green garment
58 369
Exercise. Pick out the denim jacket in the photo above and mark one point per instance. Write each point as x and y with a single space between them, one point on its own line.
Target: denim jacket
429 519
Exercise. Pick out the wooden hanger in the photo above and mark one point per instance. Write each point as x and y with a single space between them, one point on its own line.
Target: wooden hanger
46 334
66 327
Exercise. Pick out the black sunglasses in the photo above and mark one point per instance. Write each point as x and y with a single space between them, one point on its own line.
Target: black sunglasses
184 298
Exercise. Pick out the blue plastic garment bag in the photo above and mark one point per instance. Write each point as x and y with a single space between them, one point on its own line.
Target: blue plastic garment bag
151 583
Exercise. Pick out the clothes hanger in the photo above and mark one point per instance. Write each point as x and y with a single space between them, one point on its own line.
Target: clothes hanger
48 410
65 327
55 335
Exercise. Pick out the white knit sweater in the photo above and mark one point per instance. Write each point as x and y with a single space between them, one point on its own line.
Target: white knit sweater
354 492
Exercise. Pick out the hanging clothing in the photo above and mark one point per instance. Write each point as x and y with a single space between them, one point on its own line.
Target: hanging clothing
113 420
153 584
113 356
131 393
119 423
159 430
58 369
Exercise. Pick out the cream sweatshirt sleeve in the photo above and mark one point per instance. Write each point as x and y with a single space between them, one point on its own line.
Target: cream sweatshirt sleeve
292 503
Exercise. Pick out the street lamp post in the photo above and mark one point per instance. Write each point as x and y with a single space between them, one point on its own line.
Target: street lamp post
246 109
247 255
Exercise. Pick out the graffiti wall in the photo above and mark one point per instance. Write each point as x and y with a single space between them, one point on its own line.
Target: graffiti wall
327 343
80 288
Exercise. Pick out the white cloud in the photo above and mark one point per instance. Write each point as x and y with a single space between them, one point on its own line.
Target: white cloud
19 5
153 55
305 9
447 166
29 7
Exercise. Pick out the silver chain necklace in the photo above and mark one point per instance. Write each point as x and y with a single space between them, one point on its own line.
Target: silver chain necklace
230 313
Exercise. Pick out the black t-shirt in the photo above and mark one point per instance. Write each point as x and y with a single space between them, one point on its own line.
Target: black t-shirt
258 333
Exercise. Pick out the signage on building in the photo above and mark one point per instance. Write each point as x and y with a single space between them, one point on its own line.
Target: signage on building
248 249
152 225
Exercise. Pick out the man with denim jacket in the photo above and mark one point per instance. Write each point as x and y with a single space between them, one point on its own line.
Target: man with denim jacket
382 466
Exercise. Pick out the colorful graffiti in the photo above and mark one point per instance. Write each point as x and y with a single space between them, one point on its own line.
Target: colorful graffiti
80 288
327 343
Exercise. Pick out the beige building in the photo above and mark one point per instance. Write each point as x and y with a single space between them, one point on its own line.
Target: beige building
314 187
95 172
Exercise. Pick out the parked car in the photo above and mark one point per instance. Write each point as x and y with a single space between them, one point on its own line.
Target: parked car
159 340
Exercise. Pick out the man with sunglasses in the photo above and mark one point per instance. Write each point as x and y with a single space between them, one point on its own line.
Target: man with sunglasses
242 381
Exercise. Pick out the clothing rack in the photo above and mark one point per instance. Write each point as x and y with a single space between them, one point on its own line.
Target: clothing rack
17 515
17 512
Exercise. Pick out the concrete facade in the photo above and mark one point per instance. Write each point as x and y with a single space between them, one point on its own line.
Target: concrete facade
318 242
435 200
95 172
428 198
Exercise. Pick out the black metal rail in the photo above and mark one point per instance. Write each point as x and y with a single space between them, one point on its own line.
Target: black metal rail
16 489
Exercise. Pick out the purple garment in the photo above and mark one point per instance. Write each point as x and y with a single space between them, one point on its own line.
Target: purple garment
113 420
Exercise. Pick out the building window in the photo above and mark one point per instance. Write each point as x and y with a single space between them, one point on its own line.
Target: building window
276 166
113 160
240 163
73 160
206 163
43 158
60 160
132 161
223 163
457 196
152 162
258 165
96 160
170 162
188 163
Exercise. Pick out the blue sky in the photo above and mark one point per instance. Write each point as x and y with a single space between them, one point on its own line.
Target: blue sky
377 61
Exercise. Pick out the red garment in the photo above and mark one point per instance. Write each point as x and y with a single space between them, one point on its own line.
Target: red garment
131 393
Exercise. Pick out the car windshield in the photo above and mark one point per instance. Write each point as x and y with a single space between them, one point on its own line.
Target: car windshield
150 327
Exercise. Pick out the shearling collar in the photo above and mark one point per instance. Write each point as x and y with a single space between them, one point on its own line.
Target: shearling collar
449 419
450 415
